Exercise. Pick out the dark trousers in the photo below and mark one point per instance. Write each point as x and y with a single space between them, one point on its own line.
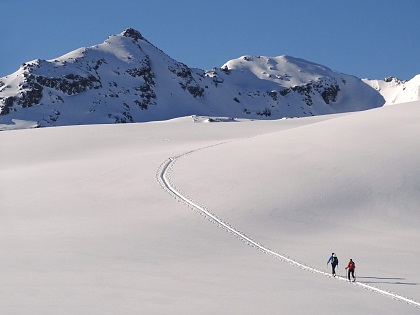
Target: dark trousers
333 268
351 272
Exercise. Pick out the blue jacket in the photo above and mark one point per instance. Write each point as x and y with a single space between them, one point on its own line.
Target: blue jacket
331 260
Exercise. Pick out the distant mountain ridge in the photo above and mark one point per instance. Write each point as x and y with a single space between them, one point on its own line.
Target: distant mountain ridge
397 91
127 79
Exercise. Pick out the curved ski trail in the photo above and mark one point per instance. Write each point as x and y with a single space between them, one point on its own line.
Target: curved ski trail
163 177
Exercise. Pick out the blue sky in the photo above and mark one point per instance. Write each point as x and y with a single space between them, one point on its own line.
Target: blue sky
365 38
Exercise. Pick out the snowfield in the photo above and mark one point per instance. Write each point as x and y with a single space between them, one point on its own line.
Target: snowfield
223 217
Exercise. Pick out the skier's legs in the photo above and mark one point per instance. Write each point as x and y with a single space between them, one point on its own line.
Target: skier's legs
350 272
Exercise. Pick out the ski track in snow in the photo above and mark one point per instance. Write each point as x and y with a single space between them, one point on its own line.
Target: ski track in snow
163 177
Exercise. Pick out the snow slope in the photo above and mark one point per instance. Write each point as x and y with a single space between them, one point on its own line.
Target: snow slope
86 227
128 79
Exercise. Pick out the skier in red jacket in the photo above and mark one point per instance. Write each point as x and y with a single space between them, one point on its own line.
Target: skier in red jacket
350 267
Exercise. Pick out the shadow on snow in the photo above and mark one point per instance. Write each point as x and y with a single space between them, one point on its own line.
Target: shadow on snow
385 280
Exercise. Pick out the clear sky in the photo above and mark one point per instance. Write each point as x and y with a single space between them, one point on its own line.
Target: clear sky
365 38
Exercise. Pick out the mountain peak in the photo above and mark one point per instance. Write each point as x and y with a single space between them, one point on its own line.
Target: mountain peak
128 79
132 33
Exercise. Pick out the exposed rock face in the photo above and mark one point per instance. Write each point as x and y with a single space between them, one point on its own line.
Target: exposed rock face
330 94
187 82
70 84
394 80
6 104
127 79
132 33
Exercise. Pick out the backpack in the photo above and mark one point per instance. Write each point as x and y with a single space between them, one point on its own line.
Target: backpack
335 260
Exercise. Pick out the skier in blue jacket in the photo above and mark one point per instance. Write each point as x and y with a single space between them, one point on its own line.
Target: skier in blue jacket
334 262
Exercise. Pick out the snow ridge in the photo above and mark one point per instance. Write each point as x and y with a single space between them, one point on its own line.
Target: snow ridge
164 179
396 91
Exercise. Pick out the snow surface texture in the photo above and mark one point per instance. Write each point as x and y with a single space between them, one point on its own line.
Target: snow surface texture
127 79
86 229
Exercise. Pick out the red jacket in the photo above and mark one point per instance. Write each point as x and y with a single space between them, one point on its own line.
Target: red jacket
351 265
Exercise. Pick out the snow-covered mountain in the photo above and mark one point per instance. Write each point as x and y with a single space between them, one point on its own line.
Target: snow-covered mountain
127 79
395 90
